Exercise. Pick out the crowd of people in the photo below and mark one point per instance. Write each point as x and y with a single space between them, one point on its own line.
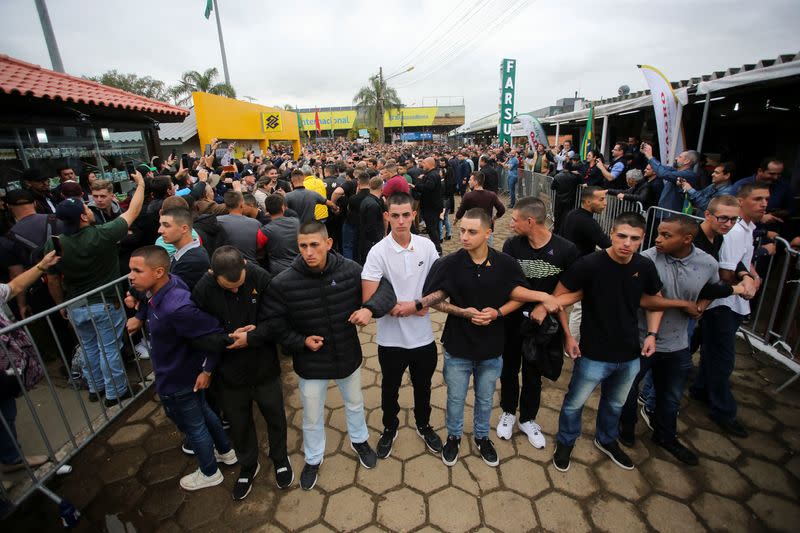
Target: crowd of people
233 261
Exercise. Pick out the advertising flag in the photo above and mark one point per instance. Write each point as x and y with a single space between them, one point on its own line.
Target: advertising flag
209 8
316 122
588 138
534 132
667 109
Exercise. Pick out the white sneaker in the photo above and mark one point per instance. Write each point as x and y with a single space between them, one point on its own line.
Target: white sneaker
534 433
226 458
141 350
505 427
198 480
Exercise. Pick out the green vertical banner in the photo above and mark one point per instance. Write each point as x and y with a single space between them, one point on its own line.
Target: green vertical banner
588 137
508 69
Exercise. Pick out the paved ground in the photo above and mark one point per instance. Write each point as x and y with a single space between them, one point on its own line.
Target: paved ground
128 480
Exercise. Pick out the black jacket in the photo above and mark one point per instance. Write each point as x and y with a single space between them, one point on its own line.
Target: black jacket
428 188
491 180
301 302
191 267
257 362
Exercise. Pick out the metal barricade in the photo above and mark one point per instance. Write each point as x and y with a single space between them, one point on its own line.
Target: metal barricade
614 208
772 328
539 186
57 419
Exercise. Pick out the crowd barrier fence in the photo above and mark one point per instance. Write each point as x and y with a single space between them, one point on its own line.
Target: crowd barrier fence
57 418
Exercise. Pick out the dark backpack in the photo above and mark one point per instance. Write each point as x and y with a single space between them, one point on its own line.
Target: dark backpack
33 251
211 232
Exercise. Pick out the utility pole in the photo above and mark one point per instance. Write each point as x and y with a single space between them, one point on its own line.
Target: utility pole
49 36
221 45
379 98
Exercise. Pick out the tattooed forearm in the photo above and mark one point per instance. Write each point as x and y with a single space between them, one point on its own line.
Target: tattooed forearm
433 298
450 309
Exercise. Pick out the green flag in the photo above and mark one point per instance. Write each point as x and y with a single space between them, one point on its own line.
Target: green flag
209 7
299 122
588 137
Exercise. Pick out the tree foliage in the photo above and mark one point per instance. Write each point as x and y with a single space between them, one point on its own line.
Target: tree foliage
205 82
142 85
374 99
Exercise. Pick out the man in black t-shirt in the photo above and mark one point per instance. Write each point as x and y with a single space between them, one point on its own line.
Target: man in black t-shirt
543 257
480 283
350 226
610 283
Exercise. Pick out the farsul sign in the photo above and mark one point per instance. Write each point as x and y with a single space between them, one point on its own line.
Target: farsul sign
508 69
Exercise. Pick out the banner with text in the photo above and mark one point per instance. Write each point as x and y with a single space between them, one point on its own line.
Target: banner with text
667 109
508 69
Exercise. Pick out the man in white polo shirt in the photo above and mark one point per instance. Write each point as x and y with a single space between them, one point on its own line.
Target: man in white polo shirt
724 316
405 337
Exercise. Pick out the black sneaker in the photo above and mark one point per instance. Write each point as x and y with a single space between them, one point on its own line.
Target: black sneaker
366 455
647 416
186 447
487 451
561 457
627 437
641 399
616 454
225 424
732 427
284 475
699 395
432 440
450 450
244 484
95 396
128 395
679 451
308 477
384 447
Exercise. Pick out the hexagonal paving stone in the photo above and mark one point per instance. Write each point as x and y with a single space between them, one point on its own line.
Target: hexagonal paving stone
578 481
401 510
793 466
722 514
561 513
669 478
768 476
463 479
669 516
777 513
408 444
612 515
385 476
508 511
426 473
755 418
722 479
162 501
121 465
163 440
629 484
256 509
298 508
763 445
712 444
336 471
349 509
586 452
523 476
203 506
791 438
164 467
143 412
453 510
488 478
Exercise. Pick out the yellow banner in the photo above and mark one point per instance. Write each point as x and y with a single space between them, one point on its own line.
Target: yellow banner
410 116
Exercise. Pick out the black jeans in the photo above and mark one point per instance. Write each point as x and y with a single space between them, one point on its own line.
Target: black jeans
421 364
670 372
431 219
237 402
509 379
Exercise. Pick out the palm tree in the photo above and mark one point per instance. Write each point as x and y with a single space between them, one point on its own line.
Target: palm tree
374 99
193 81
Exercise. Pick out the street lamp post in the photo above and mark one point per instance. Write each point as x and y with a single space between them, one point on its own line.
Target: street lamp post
380 97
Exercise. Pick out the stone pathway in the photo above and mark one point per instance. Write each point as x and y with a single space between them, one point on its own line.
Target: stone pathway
128 480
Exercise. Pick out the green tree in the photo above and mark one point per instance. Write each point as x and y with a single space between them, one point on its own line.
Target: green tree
142 85
374 99
206 82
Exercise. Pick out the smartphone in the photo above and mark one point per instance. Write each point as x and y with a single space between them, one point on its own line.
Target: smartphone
129 168
207 150
173 153
57 244
185 160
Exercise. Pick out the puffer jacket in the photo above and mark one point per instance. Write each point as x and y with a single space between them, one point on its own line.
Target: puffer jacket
302 302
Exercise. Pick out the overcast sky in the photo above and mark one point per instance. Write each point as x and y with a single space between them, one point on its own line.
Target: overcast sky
319 52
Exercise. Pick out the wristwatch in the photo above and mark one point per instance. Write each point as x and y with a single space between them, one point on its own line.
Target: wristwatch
652 334
418 305
499 313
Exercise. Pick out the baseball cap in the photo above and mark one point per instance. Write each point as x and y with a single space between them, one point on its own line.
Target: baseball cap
19 197
69 212
32 174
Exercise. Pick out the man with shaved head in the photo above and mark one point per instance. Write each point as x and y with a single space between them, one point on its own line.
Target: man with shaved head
428 189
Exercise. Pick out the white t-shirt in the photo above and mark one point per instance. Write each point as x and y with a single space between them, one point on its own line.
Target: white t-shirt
406 269
5 296
736 247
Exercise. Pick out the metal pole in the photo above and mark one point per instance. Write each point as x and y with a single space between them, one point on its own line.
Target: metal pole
222 45
703 123
49 36
603 139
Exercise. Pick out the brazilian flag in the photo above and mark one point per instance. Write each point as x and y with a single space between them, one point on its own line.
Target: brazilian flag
588 137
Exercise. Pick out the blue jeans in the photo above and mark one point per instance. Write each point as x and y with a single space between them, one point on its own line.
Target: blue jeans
615 380
349 241
648 392
191 413
445 223
313 393
669 371
100 328
457 372
717 359
512 189
8 451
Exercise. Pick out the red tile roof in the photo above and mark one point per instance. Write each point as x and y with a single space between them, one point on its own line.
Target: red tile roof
27 79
